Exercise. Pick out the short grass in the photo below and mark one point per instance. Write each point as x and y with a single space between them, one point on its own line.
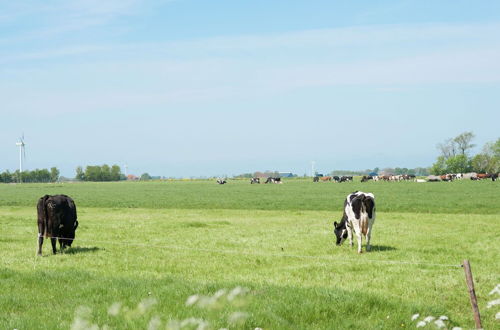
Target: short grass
165 240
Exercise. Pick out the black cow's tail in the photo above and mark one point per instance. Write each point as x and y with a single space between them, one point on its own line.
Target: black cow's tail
43 225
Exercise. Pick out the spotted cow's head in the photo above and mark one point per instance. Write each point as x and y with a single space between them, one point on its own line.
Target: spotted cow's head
340 231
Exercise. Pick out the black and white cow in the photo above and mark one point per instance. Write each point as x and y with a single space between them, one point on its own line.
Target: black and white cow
273 180
254 180
221 181
316 179
358 216
345 178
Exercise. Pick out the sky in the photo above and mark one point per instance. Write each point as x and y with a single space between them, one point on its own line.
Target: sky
186 88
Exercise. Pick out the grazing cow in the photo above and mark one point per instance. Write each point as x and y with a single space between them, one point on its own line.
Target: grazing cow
254 180
494 176
57 219
316 179
326 178
359 215
273 180
336 178
221 181
482 176
433 178
345 178
366 178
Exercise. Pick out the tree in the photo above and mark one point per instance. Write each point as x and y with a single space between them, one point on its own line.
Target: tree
145 176
448 148
488 161
54 174
115 173
458 164
439 167
463 142
480 163
80 175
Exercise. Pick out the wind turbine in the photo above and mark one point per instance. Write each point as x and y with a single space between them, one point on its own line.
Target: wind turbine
22 153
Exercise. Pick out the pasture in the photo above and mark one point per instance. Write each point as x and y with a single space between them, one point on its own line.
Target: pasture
143 248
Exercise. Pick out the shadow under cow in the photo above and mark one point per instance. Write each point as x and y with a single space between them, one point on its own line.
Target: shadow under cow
81 249
382 248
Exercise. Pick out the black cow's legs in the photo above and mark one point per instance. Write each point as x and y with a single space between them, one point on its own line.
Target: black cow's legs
40 242
53 241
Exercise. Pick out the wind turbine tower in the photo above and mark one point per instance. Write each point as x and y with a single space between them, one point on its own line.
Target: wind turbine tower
22 153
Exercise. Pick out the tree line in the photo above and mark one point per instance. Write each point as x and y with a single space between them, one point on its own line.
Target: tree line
455 156
99 173
37 175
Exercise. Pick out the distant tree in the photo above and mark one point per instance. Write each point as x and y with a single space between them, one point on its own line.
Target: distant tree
488 161
145 176
439 167
481 163
54 174
80 175
463 142
458 164
448 148
115 173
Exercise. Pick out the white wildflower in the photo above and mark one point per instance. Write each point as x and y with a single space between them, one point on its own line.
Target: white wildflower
493 303
456 328
174 325
238 317
496 290
497 316
258 329
421 324
200 323
81 321
236 292
415 316
219 294
155 323
444 318
145 304
440 324
429 319
191 300
114 309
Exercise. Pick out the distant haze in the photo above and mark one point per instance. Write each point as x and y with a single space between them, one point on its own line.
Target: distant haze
192 88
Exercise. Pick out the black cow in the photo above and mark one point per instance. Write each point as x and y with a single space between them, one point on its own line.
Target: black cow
336 178
273 180
316 179
57 219
221 181
254 180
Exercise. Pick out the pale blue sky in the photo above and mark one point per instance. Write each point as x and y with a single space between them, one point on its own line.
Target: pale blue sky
192 88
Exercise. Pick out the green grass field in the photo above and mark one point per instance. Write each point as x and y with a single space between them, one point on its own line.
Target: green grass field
143 248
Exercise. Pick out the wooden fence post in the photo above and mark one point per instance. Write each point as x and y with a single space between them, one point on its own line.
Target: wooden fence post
472 293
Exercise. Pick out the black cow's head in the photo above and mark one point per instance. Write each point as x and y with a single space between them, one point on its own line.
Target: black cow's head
340 231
